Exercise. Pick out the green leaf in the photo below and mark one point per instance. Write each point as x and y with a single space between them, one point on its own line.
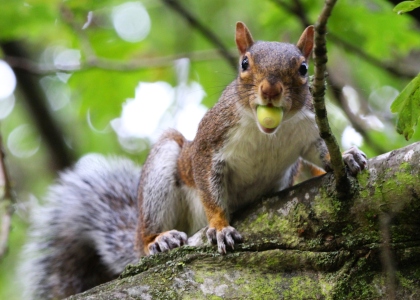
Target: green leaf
406 6
407 106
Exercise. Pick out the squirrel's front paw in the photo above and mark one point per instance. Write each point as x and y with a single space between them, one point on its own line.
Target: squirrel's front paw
227 236
355 160
166 241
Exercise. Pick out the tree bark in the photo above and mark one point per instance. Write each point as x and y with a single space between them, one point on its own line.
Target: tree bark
302 243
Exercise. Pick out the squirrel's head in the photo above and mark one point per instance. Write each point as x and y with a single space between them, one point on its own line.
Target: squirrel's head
273 75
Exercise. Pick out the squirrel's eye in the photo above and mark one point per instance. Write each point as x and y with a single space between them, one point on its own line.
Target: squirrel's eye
245 63
303 69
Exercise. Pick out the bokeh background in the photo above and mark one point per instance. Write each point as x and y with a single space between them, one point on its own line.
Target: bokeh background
78 77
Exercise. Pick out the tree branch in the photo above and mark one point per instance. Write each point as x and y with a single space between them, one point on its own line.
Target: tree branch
298 10
356 122
389 67
299 235
68 17
112 65
206 32
93 61
318 93
7 202
61 155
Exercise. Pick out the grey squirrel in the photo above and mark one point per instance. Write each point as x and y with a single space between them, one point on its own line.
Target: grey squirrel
105 213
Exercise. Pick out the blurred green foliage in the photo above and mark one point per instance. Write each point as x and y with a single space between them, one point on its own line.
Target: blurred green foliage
407 105
370 26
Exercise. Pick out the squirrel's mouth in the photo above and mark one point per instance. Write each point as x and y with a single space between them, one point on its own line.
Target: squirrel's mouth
267 130
269 117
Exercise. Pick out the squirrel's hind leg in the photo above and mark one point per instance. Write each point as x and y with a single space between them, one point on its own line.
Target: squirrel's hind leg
162 205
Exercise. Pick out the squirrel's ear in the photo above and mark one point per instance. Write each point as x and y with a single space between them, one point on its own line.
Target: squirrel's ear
306 41
243 38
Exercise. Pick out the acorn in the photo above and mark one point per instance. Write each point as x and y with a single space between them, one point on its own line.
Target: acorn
269 116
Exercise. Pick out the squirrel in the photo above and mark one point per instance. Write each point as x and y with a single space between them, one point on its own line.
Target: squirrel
105 213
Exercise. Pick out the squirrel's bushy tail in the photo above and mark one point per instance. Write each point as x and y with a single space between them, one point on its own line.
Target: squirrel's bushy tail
84 234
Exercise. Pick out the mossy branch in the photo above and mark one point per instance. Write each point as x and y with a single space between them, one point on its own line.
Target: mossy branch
302 237
318 93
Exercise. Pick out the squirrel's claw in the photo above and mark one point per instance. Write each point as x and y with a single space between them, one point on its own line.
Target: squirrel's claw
355 160
167 241
227 236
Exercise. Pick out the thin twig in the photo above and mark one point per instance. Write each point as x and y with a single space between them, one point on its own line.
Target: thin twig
389 67
68 17
93 61
112 65
355 120
298 10
7 202
205 31
387 257
318 93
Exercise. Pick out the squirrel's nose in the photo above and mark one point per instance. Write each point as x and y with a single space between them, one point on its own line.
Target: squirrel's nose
270 91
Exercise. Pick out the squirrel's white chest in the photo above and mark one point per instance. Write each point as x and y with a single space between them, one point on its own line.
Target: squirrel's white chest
257 163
